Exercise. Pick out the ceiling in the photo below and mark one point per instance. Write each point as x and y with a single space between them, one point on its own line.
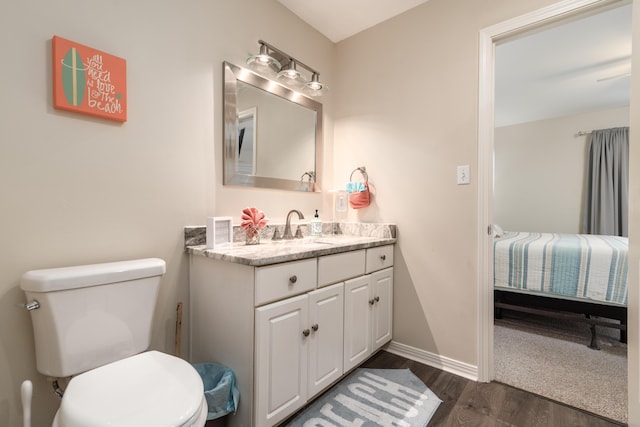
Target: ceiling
566 68
340 19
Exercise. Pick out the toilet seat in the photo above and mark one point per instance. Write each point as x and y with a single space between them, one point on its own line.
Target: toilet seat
148 389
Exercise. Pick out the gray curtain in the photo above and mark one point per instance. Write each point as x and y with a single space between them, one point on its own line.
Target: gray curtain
607 188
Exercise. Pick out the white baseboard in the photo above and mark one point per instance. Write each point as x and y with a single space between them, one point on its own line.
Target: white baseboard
440 362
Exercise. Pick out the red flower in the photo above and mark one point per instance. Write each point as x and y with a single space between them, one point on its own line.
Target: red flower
253 220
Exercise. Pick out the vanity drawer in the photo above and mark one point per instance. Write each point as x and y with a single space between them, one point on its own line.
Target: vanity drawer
379 258
339 267
278 281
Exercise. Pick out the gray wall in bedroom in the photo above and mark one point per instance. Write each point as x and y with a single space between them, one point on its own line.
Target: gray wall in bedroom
540 171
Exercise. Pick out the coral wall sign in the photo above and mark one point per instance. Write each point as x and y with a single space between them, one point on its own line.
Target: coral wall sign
89 81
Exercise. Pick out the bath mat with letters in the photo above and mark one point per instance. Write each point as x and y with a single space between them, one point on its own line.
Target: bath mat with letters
371 397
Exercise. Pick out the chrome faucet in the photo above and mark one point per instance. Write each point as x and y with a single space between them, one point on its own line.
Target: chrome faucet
287 228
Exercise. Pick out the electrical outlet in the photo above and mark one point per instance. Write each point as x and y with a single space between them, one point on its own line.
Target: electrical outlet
463 175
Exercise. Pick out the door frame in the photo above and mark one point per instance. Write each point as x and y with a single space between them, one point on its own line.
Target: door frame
488 37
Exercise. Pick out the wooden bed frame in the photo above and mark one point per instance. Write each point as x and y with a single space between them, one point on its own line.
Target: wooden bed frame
568 309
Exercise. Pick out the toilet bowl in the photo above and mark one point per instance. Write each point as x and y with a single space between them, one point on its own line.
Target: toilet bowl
149 389
92 323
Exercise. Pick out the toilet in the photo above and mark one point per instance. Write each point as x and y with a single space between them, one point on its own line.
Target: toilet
93 323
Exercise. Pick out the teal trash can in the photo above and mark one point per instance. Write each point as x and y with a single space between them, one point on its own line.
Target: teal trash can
220 389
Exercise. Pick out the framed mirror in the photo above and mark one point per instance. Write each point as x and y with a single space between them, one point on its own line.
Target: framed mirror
272 134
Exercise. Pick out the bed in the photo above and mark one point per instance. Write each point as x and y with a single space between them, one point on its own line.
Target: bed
580 277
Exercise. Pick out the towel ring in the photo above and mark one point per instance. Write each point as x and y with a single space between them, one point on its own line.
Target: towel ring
363 171
310 174
360 199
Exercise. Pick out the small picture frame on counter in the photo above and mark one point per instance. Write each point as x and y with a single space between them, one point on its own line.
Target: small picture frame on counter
219 232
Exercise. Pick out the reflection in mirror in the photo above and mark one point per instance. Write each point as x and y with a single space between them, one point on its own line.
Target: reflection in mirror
246 160
271 133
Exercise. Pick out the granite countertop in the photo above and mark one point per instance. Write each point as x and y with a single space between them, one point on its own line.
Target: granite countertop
278 251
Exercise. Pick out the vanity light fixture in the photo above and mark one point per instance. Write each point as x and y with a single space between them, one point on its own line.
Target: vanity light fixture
290 76
263 62
272 60
314 87
289 71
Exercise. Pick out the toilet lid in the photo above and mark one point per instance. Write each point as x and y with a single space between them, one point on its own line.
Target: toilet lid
151 388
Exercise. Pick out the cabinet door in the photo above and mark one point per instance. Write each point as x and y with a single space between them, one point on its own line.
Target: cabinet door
281 359
382 286
326 311
357 321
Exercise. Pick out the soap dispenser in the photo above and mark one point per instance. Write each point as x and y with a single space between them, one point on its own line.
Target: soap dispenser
316 225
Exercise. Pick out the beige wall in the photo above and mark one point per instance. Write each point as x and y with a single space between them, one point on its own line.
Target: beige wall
80 190
406 107
539 171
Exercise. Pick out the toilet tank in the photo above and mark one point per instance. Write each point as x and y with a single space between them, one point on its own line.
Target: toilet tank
91 315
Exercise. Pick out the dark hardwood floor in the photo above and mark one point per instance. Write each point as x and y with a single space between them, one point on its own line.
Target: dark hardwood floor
468 403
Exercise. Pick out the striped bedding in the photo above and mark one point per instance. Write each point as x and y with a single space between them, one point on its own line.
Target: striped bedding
581 266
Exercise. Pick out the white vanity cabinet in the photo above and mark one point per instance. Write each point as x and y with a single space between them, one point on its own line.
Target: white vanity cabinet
369 308
288 330
298 351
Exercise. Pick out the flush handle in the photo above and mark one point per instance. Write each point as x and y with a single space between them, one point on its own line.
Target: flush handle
32 305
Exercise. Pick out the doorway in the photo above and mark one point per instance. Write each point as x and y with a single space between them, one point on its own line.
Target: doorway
487 117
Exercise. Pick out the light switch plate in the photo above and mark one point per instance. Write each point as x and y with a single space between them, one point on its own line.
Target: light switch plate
463 175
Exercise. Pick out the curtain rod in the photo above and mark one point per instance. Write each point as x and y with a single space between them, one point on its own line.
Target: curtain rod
584 132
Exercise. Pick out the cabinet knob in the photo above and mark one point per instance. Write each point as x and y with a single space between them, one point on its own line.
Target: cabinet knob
314 327
306 332
377 299
372 301
383 257
293 279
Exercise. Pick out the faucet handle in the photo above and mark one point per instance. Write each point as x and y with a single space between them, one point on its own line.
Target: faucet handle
276 235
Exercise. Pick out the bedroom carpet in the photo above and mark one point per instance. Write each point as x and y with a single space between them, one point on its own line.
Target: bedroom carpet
551 357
